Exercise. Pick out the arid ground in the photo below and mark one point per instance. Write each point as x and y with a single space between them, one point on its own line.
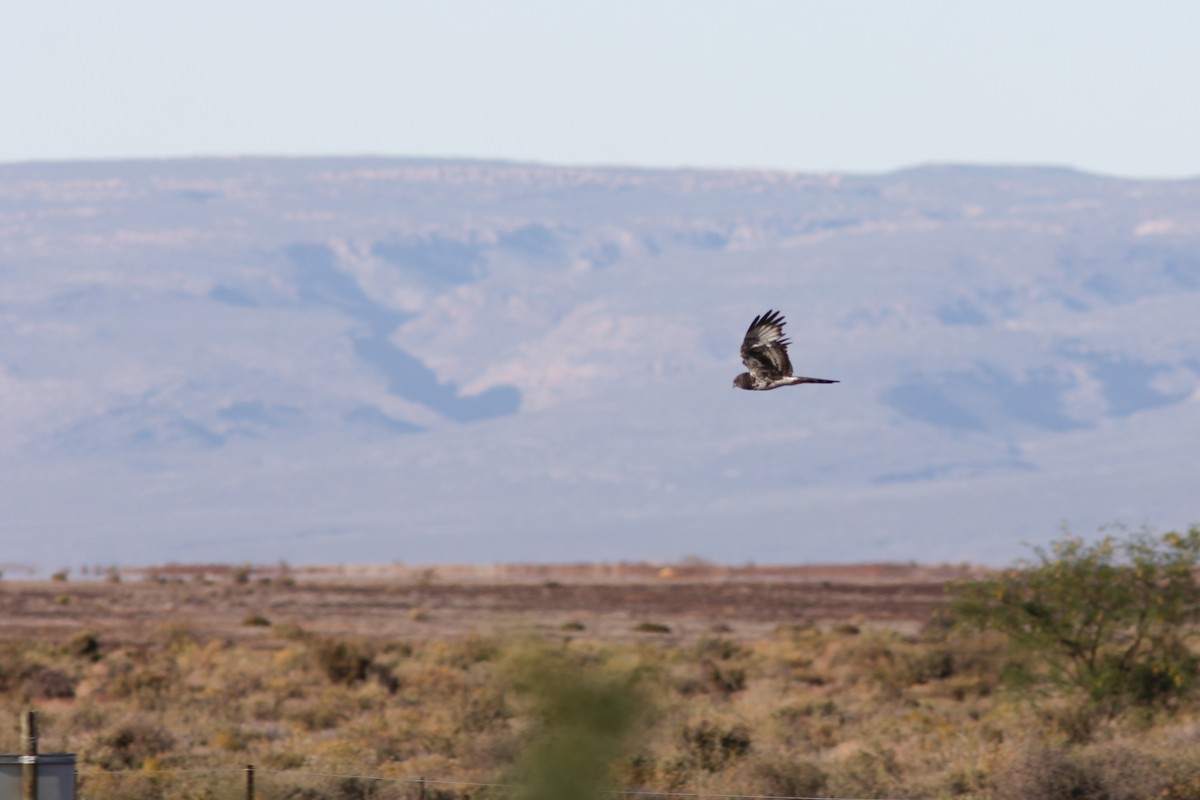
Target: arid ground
806 681
608 600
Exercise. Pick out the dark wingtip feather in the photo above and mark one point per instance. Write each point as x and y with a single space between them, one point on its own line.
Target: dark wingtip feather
772 317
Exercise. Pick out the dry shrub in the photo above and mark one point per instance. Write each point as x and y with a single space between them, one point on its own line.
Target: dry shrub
478 709
1126 774
466 652
290 631
144 786
132 742
893 663
84 646
178 637
718 649
805 629
1073 720
1181 778
779 776
329 788
47 683
148 687
228 739
303 793
1112 772
711 677
344 662
315 714
1047 772
432 680
871 772
718 673
871 656
283 760
86 717
817 723
492 751
711 747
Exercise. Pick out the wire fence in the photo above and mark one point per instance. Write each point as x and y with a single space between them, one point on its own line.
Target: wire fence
251 783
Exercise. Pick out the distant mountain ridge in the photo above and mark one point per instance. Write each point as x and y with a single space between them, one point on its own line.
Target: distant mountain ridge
409 359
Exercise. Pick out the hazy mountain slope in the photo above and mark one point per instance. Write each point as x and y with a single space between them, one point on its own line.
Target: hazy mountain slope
371 359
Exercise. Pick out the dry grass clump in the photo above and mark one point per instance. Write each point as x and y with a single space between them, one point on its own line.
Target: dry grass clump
867 712
1107 772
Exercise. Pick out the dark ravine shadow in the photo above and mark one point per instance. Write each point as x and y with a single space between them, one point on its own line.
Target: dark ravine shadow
320 283
963 312
137 426
1127 383
407 377
232 296
437 263
533 241
984 399
962 469
254 418
375 420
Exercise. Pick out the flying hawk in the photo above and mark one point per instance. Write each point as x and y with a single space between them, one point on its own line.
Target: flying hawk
764 352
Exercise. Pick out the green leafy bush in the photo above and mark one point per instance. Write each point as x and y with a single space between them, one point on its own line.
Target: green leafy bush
1109 619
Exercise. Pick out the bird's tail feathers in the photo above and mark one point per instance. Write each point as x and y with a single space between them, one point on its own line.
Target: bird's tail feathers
801 379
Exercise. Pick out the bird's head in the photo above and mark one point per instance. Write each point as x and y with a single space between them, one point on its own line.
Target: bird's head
742 381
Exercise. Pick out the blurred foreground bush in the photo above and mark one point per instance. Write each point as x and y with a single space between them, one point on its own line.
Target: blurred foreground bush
583 717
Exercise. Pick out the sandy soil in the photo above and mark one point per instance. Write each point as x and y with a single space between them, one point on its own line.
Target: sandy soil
608 600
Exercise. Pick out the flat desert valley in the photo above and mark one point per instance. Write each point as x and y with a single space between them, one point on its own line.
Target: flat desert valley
606 601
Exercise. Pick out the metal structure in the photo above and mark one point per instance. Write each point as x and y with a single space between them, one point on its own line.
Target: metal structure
36 776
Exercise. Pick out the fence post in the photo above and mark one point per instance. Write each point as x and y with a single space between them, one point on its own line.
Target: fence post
29 748
249 782
421 788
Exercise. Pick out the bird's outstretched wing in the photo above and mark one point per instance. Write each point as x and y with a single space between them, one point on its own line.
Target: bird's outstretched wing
764 350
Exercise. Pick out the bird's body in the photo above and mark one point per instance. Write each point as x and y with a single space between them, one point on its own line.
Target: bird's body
764 352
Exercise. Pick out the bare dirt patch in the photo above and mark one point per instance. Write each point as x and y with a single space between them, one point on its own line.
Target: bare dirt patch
603 600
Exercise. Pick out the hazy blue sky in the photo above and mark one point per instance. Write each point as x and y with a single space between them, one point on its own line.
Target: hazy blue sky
817 86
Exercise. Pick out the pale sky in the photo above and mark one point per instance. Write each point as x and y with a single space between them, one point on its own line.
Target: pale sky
1104 86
